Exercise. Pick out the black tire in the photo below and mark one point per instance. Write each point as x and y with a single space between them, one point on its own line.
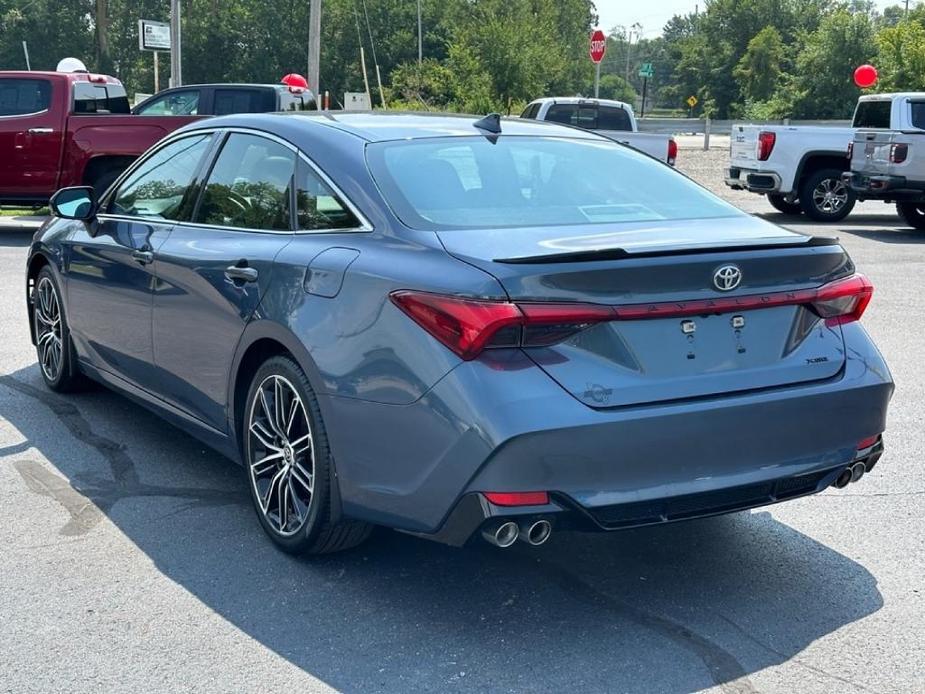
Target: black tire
304 531
60 374
105 178
824 197
912 213
779 203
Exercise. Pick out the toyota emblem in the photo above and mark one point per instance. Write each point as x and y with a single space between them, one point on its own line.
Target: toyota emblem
727 278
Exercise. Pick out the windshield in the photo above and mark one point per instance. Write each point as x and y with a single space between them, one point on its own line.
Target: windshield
471 183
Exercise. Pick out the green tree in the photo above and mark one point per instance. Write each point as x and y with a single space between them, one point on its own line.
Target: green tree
901 57
759 70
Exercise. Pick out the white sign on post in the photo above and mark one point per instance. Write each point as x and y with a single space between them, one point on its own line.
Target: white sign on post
153 36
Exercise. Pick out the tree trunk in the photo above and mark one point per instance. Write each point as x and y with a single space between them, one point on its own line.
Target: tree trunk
103 57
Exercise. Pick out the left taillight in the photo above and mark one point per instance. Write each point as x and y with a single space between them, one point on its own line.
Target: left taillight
468 326
899 153
672 151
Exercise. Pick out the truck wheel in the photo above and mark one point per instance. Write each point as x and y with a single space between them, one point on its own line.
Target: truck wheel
779 203
912 213
824 197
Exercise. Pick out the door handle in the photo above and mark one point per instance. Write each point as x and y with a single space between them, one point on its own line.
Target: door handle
241 273
143 257
41 131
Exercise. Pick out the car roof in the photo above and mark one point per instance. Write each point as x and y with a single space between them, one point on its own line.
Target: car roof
581 100
380 126
96 78
892 95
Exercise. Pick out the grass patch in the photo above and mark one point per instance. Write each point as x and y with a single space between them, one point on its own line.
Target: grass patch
24 212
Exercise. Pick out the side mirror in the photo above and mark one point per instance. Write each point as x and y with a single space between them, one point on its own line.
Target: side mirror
78 202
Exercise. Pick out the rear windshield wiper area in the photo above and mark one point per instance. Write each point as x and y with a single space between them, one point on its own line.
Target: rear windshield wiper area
622 254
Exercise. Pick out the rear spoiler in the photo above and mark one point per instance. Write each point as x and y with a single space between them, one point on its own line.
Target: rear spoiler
623 254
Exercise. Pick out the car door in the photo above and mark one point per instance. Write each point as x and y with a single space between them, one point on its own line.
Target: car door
31 125
110 273
213 271
176 102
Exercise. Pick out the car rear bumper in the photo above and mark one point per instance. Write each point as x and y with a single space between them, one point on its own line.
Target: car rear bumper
753 181
507 427
883 187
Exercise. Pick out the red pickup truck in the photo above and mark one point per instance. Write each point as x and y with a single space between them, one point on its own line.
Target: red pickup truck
62 129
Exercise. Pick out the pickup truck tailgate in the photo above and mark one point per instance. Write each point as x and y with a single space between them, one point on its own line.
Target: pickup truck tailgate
744 147
871 153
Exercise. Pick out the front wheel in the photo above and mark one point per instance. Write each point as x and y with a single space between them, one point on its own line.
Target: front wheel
912 213
824 197
780 203
289 463
57 361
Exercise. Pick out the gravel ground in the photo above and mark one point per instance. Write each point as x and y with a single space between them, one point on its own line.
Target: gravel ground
132 561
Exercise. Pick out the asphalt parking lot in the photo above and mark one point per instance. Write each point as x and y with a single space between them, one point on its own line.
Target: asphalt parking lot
132 561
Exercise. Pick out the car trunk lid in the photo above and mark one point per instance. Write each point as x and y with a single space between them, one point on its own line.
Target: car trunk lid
657 350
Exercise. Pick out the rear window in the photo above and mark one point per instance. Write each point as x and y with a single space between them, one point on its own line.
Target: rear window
471 183
613 118
873 114
244 101
918 114
19 97
100 98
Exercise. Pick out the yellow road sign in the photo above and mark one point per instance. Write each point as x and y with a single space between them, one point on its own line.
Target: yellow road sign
692 101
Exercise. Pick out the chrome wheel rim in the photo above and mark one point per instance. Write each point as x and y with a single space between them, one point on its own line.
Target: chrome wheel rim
830 195
281 455
48 340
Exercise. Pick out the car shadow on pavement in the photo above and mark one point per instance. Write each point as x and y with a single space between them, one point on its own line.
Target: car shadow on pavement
15 238
669 609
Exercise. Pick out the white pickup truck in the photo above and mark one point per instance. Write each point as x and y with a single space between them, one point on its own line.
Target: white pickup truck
888 154
613 119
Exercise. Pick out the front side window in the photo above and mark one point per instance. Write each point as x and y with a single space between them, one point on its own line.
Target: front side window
184 103
519 181
249 185
20 97
100 98
318 206
158 187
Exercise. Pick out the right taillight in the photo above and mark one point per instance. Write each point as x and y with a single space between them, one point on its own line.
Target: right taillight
843 301
672 151
766 141
850 150
899 153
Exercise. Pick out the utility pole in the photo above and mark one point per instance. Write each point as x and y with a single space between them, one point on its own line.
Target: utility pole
314 47
636 28
176 54
421 40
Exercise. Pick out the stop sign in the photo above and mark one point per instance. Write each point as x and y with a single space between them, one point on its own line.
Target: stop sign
598 46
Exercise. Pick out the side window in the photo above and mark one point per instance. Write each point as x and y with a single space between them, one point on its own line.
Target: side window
184 103
249 185
563 113
531 111
19 97
318 207
156 189
613 118
918 114
873 114
99 98
243 101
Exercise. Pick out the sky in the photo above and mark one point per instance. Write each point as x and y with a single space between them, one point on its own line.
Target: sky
654 14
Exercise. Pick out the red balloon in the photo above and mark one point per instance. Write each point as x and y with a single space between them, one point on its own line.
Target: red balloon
293 79
865 76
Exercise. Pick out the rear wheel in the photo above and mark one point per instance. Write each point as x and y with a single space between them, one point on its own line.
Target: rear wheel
289 463
780 203
824 197
912 213
57 361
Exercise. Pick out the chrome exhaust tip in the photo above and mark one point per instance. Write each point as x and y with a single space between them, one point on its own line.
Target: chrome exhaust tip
502 534
843 479
536 533
857 471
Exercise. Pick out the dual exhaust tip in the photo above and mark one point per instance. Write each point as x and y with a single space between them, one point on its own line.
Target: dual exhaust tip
506 533
850 474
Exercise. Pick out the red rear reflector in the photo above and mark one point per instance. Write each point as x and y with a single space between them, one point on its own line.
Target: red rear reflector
517 498
672 151
766 143
468 326
868 442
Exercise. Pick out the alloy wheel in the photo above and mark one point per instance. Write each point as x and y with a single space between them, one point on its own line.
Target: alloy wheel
48 339
281 455
830 195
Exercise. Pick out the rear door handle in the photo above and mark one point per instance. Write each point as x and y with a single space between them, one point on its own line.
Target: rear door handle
143 257
241 273
41 131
